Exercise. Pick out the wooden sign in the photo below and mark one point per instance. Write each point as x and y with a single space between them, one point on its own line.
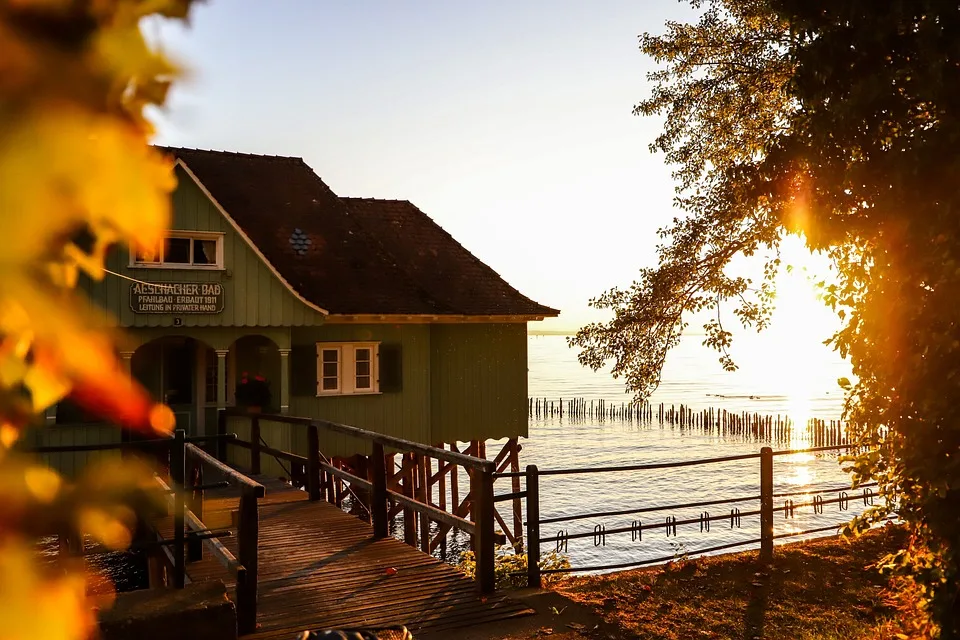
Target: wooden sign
176 297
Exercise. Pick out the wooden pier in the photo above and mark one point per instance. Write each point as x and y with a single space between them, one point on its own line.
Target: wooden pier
320 567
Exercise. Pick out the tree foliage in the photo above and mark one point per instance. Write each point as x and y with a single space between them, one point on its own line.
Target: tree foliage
76 176
838 121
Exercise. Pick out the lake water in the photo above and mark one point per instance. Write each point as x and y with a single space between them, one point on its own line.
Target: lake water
801 387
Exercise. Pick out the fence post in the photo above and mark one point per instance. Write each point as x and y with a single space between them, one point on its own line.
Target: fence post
254 445
378 496
195 545
313 463
221 444
533 526
248 534
766 504
409 515
177 472
481 497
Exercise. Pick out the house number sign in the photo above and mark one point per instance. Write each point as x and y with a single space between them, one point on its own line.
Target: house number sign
176 297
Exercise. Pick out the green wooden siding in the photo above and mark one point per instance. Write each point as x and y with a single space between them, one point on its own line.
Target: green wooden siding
478 380
404 414
70 465
253 296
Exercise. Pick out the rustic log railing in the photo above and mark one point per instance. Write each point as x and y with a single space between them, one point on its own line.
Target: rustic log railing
766 511
317 473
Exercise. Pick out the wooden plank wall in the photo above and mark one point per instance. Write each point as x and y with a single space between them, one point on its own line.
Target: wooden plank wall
253 296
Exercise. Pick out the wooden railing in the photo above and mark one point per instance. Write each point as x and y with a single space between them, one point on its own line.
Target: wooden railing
316 472
186 463
765 512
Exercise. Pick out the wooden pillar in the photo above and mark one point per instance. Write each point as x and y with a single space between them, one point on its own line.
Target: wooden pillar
177 472
422 496
533 527
766 504
248 534
284 381
481 507
515 488
454 481
222 379
313 463
378 495
409 515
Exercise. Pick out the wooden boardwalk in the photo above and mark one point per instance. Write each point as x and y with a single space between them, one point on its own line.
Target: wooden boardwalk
321 568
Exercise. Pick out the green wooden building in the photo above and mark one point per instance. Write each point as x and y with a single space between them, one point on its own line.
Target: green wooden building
359 311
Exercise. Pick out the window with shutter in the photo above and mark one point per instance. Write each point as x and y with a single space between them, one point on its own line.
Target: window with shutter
347 368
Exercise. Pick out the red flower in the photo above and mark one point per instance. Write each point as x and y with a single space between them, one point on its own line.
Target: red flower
260 379
243 381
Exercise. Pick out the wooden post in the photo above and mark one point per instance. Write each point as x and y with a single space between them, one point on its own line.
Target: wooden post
515 487
766 504
220 446
379 512
255 445
195 545
423 523
313 463
177 471
481 506
454 481
409 515
533 527
248 534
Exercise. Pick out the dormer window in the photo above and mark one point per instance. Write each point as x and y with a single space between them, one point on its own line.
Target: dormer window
183 250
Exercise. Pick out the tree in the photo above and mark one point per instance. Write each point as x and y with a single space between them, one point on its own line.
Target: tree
839 122
76 176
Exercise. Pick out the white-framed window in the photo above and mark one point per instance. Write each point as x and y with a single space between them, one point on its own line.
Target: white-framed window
182 250
347 368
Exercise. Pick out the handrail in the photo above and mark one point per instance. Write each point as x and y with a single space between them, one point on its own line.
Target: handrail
190 518
379 438
232 475
671 465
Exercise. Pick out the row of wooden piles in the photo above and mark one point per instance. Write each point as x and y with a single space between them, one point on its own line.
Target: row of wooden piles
760 427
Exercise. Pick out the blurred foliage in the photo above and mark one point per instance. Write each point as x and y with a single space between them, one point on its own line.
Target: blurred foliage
838 121
77 175
508 562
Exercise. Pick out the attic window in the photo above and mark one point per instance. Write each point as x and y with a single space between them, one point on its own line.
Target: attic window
182 250
300 242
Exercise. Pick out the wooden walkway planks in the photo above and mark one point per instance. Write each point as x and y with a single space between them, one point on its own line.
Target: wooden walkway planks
320 568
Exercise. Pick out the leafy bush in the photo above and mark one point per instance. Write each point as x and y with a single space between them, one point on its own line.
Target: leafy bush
508 562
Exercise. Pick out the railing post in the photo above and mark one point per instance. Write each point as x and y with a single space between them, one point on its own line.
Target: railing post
481 497
533 527
221 444
409 515
177 472
248 534
378 496
313 463
195 545
254 445
766 504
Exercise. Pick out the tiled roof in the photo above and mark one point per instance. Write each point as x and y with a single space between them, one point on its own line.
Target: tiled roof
347 255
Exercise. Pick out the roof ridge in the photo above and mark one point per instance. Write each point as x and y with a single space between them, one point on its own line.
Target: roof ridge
222 152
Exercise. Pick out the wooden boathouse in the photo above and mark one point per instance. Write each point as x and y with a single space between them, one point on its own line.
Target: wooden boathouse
350 311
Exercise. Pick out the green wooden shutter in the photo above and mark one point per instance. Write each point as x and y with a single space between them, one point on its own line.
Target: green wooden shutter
391 368
303 370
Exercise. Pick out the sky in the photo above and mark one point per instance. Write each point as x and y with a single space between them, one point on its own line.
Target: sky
509 123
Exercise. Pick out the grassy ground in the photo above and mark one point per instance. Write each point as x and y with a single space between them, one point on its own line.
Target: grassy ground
820 590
